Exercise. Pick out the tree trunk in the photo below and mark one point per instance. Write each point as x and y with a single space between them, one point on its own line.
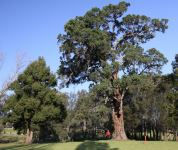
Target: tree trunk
150 134
154 134
84 128
119 131
117 113
84 125
29 137
135 134
157 134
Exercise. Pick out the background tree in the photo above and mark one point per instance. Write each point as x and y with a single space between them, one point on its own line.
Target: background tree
175 68
173 97
64 129
91 115
147 108
96 46
20 63
85 117
35 102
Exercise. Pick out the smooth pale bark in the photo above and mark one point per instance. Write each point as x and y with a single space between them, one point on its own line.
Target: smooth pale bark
29 137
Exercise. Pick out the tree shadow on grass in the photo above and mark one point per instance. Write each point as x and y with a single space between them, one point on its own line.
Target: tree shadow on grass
90 145
27 147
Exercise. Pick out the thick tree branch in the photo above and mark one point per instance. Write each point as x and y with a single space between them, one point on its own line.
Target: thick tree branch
20 64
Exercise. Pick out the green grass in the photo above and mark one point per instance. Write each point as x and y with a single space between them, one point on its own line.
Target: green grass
99 145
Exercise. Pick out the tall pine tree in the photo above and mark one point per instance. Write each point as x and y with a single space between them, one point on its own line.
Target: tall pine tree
35 100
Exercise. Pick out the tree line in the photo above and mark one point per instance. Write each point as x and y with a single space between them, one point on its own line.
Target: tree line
128 93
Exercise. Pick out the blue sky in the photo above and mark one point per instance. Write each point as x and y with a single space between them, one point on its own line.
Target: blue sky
32 26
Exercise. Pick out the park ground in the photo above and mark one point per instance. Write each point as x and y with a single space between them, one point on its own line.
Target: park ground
98 145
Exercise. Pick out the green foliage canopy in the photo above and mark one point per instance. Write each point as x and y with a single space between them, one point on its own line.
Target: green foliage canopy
105 37
35 100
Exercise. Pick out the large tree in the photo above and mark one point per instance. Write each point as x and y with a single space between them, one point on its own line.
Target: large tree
97 46
173 95
35 101
175 67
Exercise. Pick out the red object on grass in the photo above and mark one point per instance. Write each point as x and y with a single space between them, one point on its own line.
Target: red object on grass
108 134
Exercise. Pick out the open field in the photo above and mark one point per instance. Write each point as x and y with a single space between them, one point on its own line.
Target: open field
99 145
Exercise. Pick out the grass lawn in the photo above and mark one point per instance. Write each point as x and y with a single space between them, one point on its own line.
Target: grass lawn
99 145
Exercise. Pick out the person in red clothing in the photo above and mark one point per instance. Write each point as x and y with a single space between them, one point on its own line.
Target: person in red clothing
108 134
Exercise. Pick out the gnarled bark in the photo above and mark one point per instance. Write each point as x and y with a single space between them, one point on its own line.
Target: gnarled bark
117 114
119 131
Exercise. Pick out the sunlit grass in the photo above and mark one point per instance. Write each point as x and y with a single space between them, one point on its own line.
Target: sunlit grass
99 145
